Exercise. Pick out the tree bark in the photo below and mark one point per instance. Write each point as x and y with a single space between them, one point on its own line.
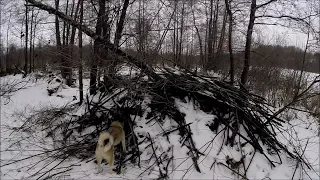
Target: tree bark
80 55
64 34
111 67
221 39
120 23
5 67
213 62
30 43
108 62
71 44
58 40
97 47
246 63
26 43
199 38
73 30
176 28
179 59
66 51
210 36
230 17
33 40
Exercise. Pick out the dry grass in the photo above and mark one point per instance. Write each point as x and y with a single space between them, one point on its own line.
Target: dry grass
281 88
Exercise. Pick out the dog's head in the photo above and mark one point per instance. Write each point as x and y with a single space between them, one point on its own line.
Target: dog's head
105 141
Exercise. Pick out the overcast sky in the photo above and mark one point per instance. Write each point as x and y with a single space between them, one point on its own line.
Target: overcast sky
45 32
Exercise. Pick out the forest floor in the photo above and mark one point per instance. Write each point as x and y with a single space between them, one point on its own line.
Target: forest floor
299 133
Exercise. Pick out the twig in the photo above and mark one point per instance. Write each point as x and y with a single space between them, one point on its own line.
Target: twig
157 160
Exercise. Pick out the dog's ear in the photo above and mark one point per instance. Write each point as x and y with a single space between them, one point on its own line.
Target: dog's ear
106 141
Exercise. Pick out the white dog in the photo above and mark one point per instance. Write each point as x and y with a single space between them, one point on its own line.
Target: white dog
107 141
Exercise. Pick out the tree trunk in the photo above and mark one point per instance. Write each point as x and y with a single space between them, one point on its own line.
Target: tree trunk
66 51
111 67
199 39
230 15
213 62
30 43
64 37
206 42
26 43
33 39
246 65
97 47
141 21
80 55
120 23
73 30
174 37
5 64
68 25
210 36
71 44
177 38
58 40
179 59
109 62
221 39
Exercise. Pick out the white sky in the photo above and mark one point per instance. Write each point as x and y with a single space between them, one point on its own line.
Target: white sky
45 32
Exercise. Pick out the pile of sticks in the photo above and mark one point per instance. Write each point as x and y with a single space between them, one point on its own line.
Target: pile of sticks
233 107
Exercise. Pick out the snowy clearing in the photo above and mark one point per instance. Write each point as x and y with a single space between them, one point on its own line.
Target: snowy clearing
300 134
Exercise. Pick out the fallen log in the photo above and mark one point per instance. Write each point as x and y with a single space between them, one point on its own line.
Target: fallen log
108 45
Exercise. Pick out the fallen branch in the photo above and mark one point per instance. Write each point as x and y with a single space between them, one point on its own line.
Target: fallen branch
144 67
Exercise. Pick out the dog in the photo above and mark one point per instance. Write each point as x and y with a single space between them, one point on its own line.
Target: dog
106 142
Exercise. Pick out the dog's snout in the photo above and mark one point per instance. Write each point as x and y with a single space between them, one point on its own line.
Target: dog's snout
106 141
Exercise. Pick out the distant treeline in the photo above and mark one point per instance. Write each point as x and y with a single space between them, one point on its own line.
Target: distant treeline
288 57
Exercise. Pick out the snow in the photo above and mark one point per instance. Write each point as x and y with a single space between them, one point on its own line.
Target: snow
300 131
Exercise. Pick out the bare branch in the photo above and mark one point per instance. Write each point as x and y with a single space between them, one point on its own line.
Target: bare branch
286 16
266 3
144 67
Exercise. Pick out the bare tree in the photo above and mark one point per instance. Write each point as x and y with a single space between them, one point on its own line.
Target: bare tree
230 21
2 59
97 46
35 22
64 51
7 51
180 45
117 38
221 38
80 68
26 41
31 39
246 62
175 38
97 37
120 23
212 32
142 28
58 37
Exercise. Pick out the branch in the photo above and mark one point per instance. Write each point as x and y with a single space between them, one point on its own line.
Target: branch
294 100
64 17
266 3
285 16
144 67
269 24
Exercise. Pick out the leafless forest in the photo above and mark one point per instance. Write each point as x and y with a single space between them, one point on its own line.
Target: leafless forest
234 57
200 36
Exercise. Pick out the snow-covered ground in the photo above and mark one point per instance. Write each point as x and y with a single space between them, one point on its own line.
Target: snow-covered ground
301 133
